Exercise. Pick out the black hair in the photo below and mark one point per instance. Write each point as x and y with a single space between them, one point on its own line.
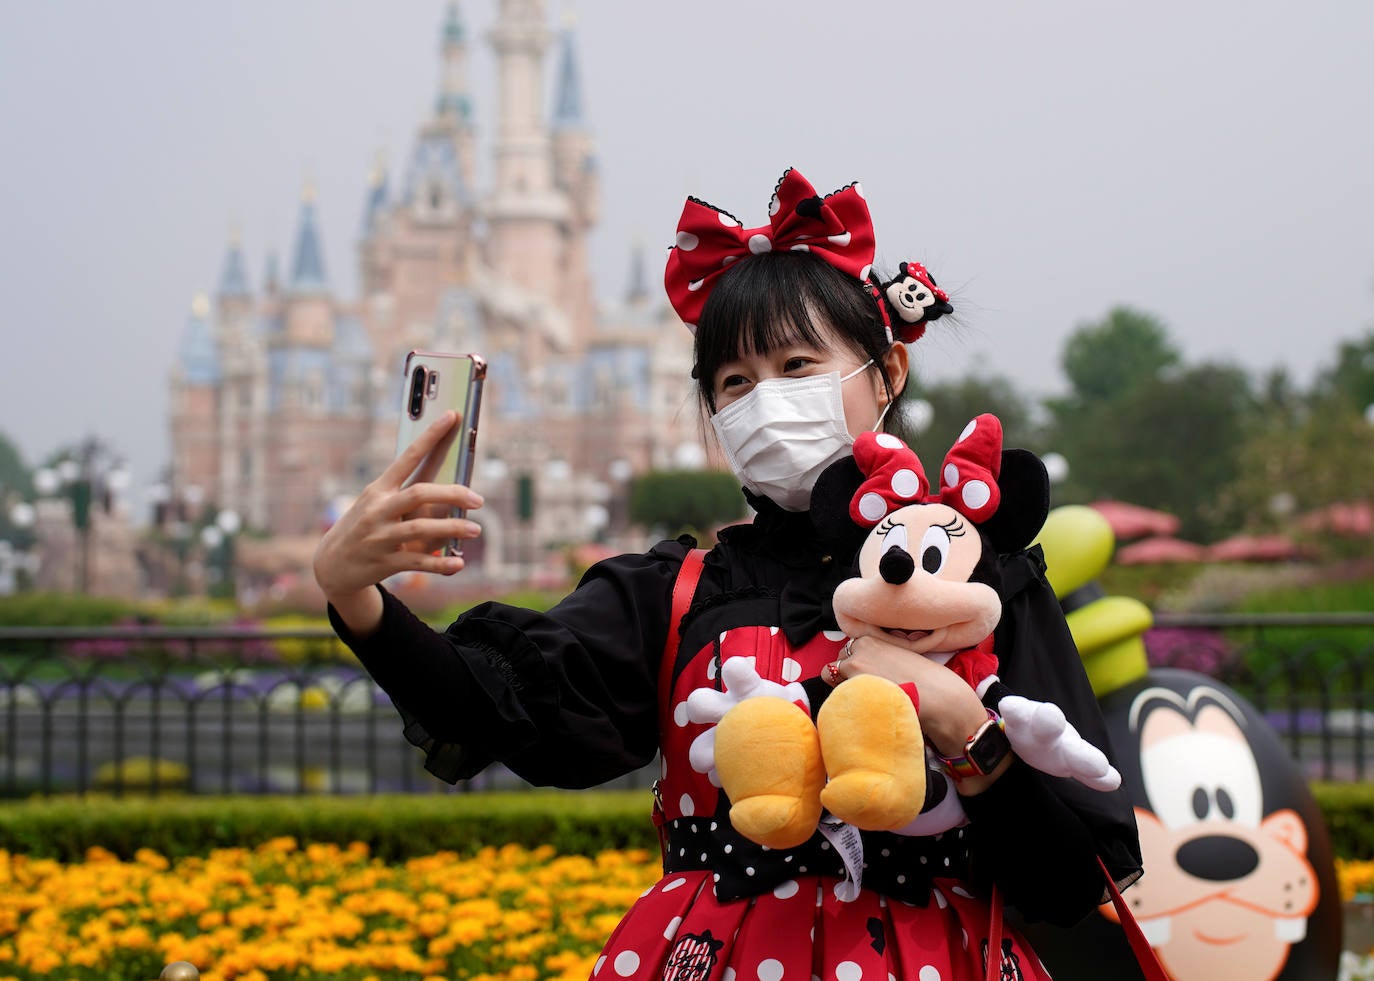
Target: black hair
764 302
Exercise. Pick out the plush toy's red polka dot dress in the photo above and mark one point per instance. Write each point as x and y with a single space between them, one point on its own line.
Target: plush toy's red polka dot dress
732 910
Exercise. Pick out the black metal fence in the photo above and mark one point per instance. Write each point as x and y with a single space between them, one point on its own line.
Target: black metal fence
157 710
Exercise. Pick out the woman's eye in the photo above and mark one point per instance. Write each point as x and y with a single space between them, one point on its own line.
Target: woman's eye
796 364
733 381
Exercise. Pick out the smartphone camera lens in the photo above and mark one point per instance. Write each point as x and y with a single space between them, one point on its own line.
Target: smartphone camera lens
416 401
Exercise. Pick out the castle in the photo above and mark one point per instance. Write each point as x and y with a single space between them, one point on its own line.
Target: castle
284 400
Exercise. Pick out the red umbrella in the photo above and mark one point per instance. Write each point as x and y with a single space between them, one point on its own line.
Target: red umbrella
1161 548
1254 548
1355 519
1131 521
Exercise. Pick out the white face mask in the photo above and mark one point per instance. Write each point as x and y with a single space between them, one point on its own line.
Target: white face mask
780 436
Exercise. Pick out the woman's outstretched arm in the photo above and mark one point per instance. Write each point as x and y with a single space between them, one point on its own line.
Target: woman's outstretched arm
395 525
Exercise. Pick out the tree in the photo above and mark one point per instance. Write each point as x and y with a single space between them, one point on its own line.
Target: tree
954 403
15 478
1300 459
690 501
1352 377
16 485
1170 443
1107 359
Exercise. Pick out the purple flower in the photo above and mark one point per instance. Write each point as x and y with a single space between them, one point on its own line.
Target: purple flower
1190 648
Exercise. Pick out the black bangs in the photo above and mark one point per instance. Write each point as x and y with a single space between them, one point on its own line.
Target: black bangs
765 302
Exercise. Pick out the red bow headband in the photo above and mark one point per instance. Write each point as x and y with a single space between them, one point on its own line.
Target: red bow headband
968 479
837 228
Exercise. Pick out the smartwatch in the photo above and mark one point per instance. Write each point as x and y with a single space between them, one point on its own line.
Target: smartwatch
983 751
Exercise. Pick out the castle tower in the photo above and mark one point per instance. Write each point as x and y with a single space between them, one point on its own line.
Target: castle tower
575 175
238 348
306 318
453 104
526 209
195 405
234 298
418 246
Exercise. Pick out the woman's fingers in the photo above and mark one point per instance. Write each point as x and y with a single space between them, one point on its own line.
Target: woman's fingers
438 456
408 459
430 532
416 497
444 565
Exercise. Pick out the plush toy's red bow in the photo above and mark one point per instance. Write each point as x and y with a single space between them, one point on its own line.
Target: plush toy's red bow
968 479
837 228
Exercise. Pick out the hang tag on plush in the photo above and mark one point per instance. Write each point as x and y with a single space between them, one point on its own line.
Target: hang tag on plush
845 839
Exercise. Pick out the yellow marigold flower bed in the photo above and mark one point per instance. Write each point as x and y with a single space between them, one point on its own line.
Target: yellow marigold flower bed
321 911
283 911
1356 878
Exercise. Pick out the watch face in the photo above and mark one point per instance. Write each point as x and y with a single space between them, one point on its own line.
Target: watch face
989 748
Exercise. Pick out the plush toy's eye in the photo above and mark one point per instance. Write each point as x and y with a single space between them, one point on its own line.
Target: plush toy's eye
895 538
934 549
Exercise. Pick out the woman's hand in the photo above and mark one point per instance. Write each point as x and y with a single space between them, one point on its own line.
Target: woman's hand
394 526
950 710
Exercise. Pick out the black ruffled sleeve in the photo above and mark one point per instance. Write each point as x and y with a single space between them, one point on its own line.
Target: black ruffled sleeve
564 698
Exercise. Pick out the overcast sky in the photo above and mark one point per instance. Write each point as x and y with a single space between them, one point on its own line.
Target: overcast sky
1212 163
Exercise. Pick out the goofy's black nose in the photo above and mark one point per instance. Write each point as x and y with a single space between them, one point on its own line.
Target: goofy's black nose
896 565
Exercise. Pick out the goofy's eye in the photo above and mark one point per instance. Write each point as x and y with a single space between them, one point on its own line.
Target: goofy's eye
934 549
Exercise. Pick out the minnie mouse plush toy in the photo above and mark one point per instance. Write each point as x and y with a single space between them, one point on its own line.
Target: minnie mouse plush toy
927 580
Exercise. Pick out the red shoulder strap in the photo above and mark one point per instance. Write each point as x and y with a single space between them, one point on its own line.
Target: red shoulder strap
683 590
1144 953
1150 967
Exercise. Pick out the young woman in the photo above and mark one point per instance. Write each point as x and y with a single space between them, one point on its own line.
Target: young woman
796 355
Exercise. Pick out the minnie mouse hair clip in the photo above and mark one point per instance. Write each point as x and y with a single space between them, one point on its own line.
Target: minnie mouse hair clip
915 299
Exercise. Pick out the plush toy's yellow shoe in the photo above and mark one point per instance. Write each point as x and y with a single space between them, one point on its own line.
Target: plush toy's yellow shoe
769 761
874 751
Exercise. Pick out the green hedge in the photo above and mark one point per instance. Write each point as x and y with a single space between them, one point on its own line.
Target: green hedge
399 827
394 827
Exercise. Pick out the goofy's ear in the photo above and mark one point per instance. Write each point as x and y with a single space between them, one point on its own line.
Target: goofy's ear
1025 487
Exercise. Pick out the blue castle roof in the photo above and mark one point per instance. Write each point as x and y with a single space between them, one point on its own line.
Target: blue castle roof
567 106
198 353
307 269
233 278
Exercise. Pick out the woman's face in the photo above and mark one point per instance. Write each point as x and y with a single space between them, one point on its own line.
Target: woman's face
864 394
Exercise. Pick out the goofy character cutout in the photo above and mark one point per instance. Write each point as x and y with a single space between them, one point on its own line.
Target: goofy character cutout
927 580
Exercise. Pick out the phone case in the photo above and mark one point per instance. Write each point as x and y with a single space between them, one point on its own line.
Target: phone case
433 383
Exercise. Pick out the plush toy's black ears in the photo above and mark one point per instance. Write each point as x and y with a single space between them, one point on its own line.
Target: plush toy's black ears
830 503
1025 487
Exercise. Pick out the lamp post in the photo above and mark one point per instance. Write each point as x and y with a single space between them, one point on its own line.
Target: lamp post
218 539
1056 467
91 479
176 512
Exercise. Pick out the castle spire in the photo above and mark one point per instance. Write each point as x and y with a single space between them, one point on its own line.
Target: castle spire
198 356
638 289
307 271
233 279
270 278
523 174
452 100
567 106
377 193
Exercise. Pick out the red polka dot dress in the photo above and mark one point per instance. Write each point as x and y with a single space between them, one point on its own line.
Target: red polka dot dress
732 910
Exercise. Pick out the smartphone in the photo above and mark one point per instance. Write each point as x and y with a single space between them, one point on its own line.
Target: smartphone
434 383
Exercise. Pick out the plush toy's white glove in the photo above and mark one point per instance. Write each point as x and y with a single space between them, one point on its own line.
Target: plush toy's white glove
707 705
1042 737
